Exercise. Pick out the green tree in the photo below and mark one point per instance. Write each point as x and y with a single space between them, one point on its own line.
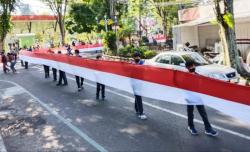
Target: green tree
168 15
128 27
83 15
81 18
225 18
109 42
6 7
59 8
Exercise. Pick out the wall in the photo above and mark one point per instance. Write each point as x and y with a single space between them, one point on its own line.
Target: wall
190 34
208 35
243 32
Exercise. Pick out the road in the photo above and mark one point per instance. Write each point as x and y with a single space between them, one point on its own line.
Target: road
37 115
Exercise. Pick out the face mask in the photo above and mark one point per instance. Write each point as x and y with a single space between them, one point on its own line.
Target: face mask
137 60
192 70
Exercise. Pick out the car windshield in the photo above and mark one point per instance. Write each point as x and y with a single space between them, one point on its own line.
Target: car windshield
196 58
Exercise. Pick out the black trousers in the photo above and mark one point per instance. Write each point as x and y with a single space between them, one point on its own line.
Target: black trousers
138 105
26 64
202 111
5 69
100 87
54 74
62 76
22 63
79 81
46 71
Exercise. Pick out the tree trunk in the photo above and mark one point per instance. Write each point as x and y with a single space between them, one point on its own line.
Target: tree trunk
231 42
55 26
1 45
61 27
29 26
164 26
225 46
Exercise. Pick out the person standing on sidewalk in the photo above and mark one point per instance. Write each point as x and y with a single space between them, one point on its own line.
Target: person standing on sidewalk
79 80
62 76
4 61
99 86
248 66
138 98
69 50
12 60
201 109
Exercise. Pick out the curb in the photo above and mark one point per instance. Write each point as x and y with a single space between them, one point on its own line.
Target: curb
2 146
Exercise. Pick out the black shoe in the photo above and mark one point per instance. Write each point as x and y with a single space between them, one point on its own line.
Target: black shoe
192 130
97 97
65 84
58 84
211 132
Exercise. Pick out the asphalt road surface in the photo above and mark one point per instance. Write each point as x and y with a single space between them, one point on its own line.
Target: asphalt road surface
37 115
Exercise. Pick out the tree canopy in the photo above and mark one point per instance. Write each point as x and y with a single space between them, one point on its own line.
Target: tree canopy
6 7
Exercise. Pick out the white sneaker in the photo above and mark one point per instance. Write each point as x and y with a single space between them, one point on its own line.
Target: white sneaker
142 117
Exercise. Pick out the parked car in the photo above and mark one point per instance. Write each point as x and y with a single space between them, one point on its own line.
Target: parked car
177 59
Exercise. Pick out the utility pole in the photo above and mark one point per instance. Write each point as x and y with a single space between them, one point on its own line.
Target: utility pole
106 23
111 9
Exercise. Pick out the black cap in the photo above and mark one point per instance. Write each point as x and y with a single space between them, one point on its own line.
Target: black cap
137 54
187 43
77 51
189 64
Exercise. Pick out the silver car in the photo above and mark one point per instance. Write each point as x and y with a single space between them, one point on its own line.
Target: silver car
176 60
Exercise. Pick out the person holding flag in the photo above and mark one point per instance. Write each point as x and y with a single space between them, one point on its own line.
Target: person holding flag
201 109
138 98
79 80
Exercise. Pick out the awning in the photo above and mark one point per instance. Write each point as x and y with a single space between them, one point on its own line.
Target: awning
242 17
195 22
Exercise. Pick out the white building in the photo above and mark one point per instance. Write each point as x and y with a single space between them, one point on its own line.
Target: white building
197 28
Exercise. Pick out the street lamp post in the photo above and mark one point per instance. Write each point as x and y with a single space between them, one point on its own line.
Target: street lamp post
116 24
106 23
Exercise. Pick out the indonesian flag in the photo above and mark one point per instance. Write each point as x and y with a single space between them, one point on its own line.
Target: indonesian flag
89 48
161 84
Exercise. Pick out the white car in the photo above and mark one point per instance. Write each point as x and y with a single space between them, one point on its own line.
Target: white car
176 60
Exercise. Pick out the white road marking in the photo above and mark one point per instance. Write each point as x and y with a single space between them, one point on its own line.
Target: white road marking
62 119
131 100
2 146
12 91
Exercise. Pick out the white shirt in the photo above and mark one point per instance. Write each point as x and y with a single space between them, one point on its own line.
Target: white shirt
248 59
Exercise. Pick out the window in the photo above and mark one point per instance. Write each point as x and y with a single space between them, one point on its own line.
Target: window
176 60
165 59
196 58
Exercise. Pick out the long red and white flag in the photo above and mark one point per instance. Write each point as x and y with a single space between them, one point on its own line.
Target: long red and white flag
156 83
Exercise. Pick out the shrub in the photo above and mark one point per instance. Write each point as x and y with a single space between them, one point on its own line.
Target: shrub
124 52
149 54
109 42
129 51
